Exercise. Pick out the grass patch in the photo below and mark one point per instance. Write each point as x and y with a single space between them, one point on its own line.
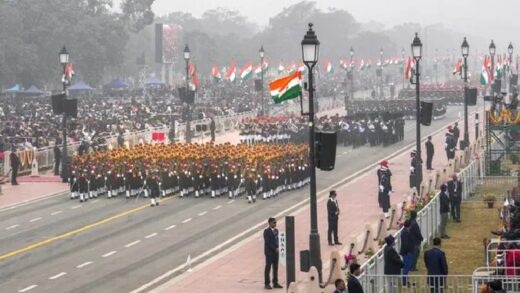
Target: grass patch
465 249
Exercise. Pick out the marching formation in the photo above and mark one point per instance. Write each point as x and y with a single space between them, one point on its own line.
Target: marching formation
190 169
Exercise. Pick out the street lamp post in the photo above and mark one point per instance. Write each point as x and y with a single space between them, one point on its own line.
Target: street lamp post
64 60
381 73
262 54
417 53
188 119
310 52
492 51
510 52
351 73
465 53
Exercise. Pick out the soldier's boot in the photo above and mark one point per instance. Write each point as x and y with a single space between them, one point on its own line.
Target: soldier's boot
152 201
213 194
72 195
264 195
163 193
95 194
146 193
230 194
81 197
127 194
91 194
270 194
109 194
249 199
254 197
197 194
386 215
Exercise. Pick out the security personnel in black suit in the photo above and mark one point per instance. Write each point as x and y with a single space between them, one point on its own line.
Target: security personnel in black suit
455 194
15 164
271 254
437 266
333 214
429 153
353 284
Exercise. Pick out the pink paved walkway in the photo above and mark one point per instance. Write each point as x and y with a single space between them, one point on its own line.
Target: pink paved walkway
241 270
28 191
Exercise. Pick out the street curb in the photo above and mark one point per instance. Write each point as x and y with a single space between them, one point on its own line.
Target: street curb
30 201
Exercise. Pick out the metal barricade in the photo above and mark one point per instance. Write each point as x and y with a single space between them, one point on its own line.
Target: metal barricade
493 252
484 275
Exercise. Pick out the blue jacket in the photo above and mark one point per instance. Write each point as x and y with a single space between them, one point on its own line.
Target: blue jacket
435 261
270 242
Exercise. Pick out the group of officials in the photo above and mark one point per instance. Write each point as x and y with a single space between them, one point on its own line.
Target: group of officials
190 169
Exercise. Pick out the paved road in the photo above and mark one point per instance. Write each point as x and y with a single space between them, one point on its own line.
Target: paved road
117 245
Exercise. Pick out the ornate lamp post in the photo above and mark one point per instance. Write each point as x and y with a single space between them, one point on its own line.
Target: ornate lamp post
352 66
64 60
492 51
510 52
417 54
262 54
310 53
465 52
188 120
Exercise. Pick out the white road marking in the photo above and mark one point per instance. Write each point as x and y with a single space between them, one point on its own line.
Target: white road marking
28 288
169 228
217 207
186 221
58 276
151 235
132 243
35 219
56 213
84 264
346 152
12 227
231 201
203 213
76 207
109 253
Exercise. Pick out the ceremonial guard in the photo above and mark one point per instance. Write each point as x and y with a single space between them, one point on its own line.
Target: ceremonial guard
384 176
153 184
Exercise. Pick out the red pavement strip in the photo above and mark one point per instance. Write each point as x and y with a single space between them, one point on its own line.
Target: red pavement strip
242 269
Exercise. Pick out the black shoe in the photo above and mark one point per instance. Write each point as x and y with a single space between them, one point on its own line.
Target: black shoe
277 286
268 287
339 243
458 220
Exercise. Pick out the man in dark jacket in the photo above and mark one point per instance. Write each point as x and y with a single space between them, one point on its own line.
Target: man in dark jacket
333 214
415 231
437 266
15 164
455 193
429 153
353 284
393 264
444 211
271 254
406 251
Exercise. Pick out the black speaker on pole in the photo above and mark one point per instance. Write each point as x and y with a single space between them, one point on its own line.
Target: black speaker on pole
159 43
190 98
426 113
472 96
497 86
70 107
514 79
258 85
326 150
57 103
182 93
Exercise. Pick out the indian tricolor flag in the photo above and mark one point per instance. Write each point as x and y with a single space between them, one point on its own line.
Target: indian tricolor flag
458 67
408 68
328 66
485 74
231 73
258 70
362 64
286 88
216 73
247 71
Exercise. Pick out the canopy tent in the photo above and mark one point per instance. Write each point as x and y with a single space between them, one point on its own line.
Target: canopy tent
80 86
15 89
153 81
117 84
33 91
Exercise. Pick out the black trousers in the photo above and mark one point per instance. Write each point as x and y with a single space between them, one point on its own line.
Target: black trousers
429 160
271 261
57 167
333 230
455 209
14 174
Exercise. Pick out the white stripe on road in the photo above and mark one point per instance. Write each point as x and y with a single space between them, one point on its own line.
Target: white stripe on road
132 243
28 288
56 213
84 264
217 207
186 221
58 276
109 253
35 219
203 213
151 235
76 207
169 228
12 227
345 152
231 201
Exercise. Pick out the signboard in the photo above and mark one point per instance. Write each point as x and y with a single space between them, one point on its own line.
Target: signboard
282 248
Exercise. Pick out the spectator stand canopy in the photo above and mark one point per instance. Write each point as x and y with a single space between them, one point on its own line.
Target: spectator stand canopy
32 92
153 82
116 86
80 87
14 90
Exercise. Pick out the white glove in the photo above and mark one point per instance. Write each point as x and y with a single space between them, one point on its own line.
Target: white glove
381 188
412 169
